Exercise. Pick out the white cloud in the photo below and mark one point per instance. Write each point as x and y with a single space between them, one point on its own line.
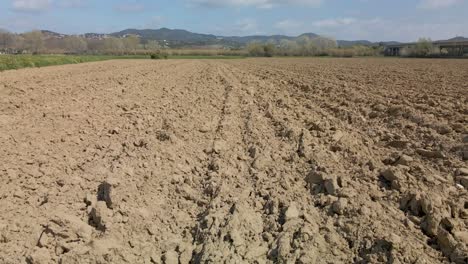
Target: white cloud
241 27
246 25
18 23
255 3
334 22
155 22
72 3
355 29
43 5
289 26
129 8
414 31
435 4
378 29
31 5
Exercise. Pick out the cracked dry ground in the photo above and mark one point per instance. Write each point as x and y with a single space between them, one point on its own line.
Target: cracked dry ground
245 161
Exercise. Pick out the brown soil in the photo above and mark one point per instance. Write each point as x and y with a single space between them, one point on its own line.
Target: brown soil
246 161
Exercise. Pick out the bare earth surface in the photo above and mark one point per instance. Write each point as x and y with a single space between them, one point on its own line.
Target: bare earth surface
240 161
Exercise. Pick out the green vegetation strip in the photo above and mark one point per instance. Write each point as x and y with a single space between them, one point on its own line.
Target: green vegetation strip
10 62
208 57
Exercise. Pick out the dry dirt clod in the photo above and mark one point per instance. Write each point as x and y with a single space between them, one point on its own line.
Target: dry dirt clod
339 206
206 127
395 177
404 160
101 216
392 175
463 181
431 224
19 194
400 144
39 256
291 213
171 257
69 226
303 149
465 155
465 139
462 171
90 199
315 177
446 242
331 185
219 146
431 153
261 163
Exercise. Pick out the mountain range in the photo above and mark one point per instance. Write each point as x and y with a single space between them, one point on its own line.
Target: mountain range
182 38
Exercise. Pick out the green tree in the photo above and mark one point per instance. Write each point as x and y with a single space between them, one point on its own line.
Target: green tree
288 48
75 44
152 45
322 44
6 39
269 50
424 47
113 45
255 49
33 41
131 43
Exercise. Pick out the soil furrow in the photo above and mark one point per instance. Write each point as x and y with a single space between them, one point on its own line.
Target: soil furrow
347 141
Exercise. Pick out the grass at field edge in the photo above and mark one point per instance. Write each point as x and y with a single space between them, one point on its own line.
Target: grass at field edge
12 62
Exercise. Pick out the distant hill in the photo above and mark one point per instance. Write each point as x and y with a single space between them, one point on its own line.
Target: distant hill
350 43
166 34
176 37
256 38
390 43
457 39
95 35
310 35
266 38
52 34
179 38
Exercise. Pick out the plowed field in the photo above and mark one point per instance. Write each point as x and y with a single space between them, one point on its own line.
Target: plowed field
240 161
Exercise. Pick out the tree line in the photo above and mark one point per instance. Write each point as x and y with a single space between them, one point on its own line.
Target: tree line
36 42
306 46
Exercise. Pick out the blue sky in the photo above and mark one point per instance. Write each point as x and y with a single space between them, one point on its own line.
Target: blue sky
375 20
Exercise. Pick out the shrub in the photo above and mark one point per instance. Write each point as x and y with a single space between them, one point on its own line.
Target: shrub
255 49
155 56
158 55
269 50
423 48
